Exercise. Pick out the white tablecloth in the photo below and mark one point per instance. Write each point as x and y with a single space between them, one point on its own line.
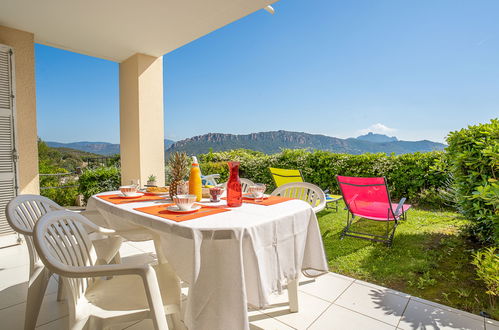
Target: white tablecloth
233 258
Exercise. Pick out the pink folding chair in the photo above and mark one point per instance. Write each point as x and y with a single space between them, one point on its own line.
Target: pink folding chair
369 198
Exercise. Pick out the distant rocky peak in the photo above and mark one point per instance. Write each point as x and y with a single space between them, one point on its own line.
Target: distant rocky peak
377 138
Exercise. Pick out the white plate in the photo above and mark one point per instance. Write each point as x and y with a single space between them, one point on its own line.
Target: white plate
157 193
253 197
174 208
132 196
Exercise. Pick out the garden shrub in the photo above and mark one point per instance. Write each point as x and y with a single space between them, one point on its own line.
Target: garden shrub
414 176
473 155
99 179
487 269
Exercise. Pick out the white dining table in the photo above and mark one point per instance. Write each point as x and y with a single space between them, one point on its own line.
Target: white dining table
230 260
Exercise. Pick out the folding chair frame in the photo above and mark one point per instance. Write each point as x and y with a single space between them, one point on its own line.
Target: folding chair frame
388 237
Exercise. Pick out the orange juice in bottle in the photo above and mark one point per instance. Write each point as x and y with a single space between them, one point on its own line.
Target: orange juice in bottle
195 187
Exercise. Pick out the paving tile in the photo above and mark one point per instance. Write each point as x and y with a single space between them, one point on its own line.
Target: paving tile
59 324
327 287
378 303
444 307
141 325
128 250
422 316
379 287
14 256
139 258
260 320
18 293
310 308
337 317
12 276
144 246
491 324
341 276
12 318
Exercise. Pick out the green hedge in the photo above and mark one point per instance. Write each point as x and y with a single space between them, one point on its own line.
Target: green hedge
94 181
414 176
473 155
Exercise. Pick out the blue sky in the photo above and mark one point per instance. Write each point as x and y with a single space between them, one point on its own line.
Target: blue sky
413 69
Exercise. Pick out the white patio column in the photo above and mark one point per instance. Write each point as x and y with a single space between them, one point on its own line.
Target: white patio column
141 119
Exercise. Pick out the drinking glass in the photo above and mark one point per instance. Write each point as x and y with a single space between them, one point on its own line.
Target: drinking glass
183 188
215 193
135 183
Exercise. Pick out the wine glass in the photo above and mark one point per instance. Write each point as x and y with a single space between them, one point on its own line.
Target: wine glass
135 183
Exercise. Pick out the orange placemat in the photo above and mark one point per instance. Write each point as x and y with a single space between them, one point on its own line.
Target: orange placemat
117 199
161 211
271 200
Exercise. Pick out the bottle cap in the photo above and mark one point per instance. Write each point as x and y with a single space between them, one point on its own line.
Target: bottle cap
195 160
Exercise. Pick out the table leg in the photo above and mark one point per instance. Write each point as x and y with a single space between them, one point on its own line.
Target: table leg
293 295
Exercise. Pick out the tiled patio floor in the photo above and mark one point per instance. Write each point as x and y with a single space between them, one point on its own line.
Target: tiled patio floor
331 302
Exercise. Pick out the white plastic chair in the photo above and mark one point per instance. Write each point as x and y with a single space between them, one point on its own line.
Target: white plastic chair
245 184
305 191
63 244
22 213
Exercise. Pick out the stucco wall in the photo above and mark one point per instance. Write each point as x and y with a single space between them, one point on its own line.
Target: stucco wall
141 119
26 133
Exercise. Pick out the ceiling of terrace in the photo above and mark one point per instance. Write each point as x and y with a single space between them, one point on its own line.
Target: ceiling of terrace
117 29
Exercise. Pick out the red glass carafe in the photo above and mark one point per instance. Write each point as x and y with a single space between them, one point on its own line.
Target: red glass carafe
234 189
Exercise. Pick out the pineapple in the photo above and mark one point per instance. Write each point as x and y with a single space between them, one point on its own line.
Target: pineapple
179 168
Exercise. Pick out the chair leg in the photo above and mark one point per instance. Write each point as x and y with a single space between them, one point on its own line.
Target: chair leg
293 296
347 227
392 234
36 290
116 259
60 289
80 323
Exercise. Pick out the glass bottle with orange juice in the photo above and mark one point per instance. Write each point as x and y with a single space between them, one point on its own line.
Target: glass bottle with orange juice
195 187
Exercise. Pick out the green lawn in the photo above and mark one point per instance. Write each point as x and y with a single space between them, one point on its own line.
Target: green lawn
428 259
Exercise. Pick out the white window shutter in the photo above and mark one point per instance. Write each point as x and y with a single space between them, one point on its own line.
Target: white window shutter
8 179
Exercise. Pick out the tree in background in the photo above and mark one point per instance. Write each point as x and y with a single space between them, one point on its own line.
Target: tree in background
49 162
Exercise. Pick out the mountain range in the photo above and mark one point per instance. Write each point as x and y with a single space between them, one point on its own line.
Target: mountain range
273 142
100 148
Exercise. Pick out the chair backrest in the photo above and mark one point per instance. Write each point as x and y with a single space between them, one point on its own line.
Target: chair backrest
305 191
282 176
245 184
22 213
63 243
363 195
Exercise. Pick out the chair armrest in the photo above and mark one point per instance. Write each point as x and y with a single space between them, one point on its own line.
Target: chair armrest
400 206
149 279
104 270
89 212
